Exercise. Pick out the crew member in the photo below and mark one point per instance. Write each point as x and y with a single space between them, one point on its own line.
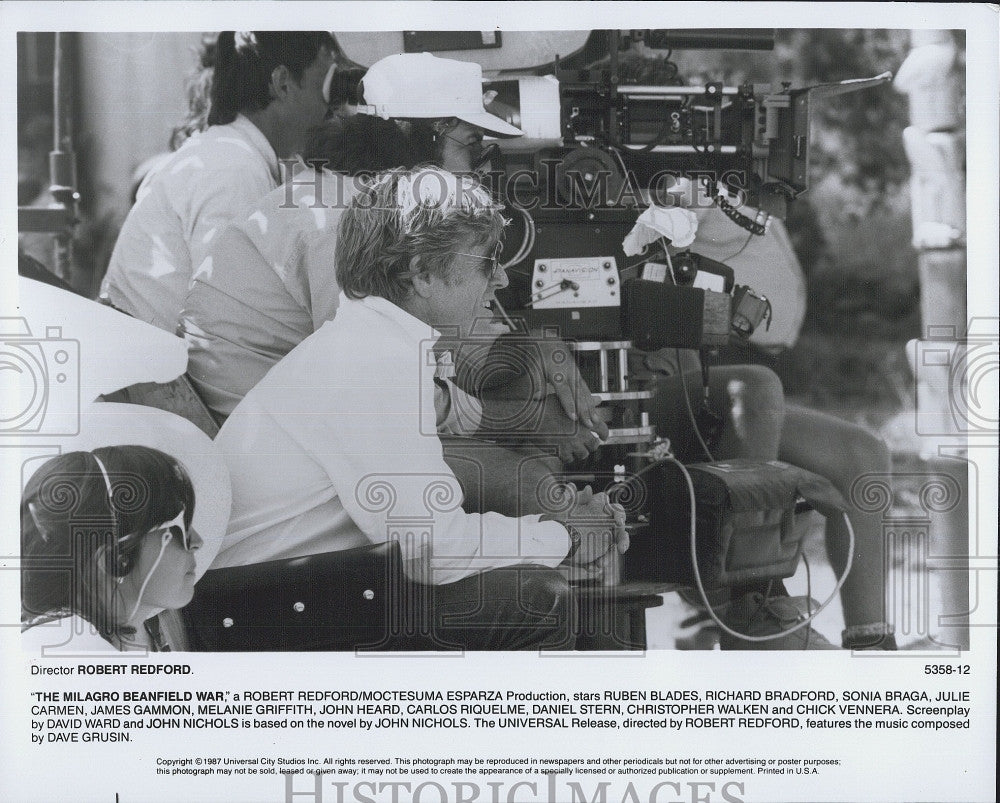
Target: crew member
350 418
268 91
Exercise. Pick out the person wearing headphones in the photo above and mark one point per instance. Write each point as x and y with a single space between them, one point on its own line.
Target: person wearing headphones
269 88
106 545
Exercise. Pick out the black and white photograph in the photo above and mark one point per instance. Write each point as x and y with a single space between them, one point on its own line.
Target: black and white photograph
601 406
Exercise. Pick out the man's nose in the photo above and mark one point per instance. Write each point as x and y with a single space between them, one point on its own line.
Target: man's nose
500 279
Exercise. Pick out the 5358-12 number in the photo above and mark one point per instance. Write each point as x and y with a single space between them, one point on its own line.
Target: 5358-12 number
947 669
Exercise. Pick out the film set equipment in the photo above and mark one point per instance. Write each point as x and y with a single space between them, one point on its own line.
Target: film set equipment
614 149
575 196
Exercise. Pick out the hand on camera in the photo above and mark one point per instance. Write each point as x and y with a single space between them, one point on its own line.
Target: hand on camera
563 377
573 440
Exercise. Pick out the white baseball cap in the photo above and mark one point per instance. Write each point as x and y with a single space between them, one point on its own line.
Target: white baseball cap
419 85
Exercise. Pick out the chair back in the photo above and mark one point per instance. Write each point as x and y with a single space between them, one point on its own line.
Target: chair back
330 601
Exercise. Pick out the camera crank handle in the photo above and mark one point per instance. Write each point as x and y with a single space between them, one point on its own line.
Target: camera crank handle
565 284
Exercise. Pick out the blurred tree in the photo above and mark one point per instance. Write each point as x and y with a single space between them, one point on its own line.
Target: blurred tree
851 231
858 137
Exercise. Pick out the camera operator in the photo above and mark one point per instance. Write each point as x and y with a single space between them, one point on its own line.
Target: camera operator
347 410
267 281
268 90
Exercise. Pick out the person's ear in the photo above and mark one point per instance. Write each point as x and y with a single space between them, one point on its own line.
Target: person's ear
423 280
280 79
104 560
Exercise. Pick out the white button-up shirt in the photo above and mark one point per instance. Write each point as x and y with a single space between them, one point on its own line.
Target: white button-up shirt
212 179
337 447
267 282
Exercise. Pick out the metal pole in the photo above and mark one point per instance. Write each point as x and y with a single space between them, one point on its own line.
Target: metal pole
62 161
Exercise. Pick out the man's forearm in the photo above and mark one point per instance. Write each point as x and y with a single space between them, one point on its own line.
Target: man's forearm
495 360
511 419
492 418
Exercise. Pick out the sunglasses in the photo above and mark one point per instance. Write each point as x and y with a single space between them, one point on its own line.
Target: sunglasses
496 268
175 528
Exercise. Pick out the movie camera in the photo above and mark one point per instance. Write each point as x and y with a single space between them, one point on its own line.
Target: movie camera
577 186
604 196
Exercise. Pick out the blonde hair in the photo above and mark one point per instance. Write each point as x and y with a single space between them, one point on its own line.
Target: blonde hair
426 213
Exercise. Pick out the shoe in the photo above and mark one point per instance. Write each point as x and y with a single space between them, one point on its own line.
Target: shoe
757 615
869 637
886 643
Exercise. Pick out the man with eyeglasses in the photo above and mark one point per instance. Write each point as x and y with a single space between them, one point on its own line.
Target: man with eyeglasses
267 282
338 446
269 89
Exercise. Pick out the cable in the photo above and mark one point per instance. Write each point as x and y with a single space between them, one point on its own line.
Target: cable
690 411
164 540
767 596
701 588
741 250
741 220
527 242
620 487
657 138
629 177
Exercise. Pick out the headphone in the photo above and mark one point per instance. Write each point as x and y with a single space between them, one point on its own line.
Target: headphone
117 562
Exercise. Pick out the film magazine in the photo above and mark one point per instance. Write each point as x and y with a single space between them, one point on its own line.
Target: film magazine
804 236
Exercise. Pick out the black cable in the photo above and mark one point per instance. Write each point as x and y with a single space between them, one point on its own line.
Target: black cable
690 411
741 250
741 220
644 470
657 138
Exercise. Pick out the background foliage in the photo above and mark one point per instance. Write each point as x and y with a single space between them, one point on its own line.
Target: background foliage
851 231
